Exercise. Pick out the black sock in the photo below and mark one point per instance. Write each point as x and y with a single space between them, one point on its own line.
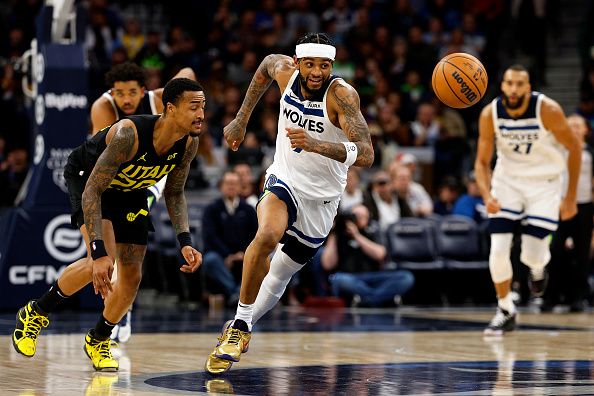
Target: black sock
103 329
50 300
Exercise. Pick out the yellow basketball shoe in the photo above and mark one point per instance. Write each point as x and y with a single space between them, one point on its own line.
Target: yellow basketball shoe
234 341
28 325
100 353
213 364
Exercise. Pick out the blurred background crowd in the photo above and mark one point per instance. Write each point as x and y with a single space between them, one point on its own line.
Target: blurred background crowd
385 48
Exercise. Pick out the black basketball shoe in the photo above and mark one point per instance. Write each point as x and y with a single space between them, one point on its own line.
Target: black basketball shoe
501 323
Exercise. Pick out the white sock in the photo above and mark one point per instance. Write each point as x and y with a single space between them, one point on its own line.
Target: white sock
245 312
507 303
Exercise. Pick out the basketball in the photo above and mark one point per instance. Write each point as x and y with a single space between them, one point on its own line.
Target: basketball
459 80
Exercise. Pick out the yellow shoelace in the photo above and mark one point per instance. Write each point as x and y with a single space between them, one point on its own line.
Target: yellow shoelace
34 324
102 347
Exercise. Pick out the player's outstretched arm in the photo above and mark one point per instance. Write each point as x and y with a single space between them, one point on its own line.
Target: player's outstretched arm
270 69
359 152
554 120
121 146
175 200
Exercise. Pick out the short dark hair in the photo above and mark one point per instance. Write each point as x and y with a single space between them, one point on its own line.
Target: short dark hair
318 38
126 71
519 68
175 88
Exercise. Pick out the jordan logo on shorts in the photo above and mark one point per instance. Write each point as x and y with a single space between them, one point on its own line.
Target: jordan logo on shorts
132 216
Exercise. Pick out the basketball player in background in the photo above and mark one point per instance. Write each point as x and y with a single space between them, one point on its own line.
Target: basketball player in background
107 178
529 131
128 96
321 132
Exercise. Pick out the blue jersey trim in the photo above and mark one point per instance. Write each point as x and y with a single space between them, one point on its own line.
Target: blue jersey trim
282 183
303 109
306 237
543 219
520 128
511 211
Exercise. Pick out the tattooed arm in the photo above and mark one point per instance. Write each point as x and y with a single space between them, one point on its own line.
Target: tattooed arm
344 101
177 207
273 67
119 149
175 198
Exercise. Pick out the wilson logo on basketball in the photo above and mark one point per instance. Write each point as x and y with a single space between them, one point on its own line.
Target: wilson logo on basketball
464 88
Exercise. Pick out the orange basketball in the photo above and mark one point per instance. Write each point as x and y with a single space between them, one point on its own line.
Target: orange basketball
459 80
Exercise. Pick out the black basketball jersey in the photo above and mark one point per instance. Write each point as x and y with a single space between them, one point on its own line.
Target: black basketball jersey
147 105
142 171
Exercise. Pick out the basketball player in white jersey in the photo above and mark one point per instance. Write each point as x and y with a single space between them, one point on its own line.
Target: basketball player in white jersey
529 131
128 96
321 132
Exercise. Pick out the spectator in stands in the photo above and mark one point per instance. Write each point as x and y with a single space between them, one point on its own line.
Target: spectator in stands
12 174
426 128
384 205
152 54
471 203
355 257
247 184
450 119
229 224
132 37
570 261
352 194
448 193
414 194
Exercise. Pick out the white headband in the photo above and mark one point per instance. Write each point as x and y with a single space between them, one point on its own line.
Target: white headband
315 50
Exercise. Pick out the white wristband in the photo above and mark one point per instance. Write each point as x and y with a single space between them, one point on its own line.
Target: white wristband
351 152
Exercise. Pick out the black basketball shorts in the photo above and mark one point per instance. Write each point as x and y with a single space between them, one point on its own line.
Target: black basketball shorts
128 211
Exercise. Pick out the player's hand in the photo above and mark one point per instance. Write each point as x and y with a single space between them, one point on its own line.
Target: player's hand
234 133
493 205
568 209
300 139
193 259
102 271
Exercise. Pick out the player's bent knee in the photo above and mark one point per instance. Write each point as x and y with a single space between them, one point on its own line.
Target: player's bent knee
267 239
535 251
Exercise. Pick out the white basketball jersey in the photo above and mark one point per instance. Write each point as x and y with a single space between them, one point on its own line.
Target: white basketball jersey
525 148
146 106
311 175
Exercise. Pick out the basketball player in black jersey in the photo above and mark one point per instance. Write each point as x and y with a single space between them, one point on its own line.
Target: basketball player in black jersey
126 96
107 179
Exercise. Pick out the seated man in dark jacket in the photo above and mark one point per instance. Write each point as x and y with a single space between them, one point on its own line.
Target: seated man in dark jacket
355 259
229 224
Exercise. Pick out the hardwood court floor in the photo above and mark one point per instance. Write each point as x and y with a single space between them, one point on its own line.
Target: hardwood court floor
297 351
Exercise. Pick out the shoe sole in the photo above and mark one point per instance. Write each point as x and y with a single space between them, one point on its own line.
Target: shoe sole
218 372
103 370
